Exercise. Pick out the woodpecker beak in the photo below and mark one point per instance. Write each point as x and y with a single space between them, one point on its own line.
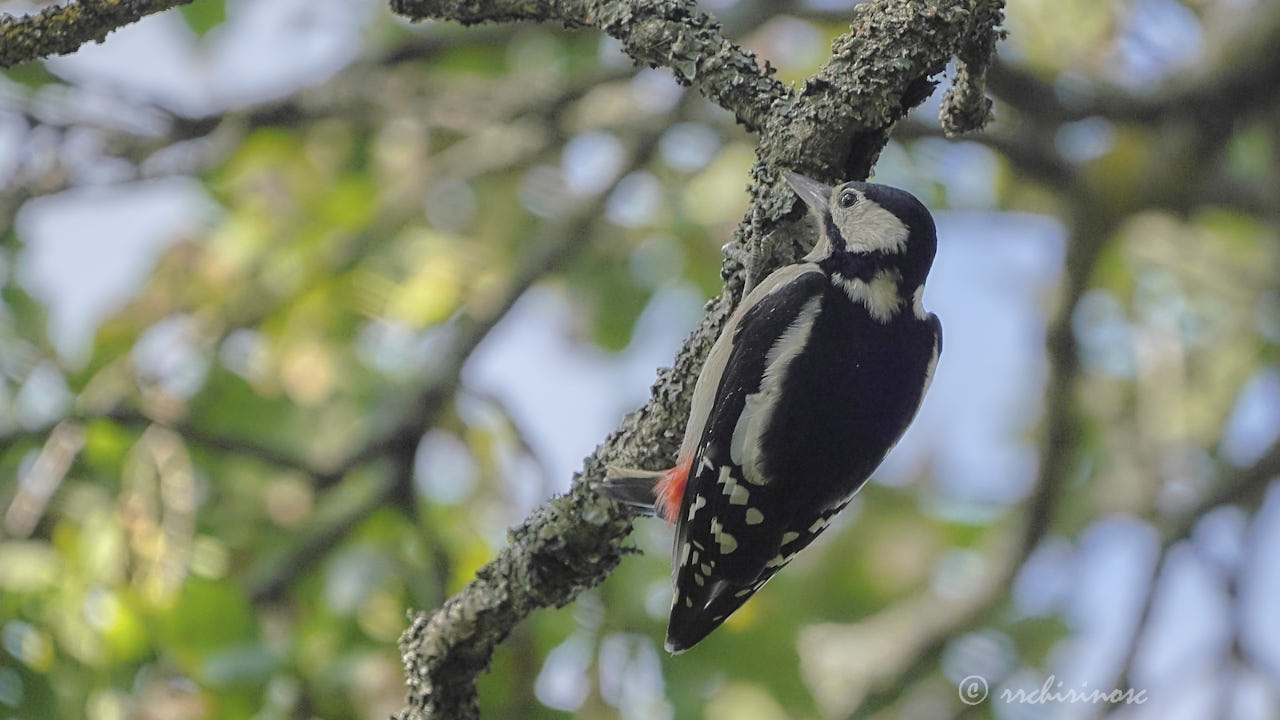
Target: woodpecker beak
814 194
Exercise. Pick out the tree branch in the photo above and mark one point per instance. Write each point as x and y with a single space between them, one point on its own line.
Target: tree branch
966 106
673 34
833 127
1245 486
62 29
269 585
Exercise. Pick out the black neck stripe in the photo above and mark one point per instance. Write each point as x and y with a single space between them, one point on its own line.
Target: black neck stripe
833 233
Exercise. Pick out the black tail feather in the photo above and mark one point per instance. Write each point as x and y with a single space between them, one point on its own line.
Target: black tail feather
631 487
704 612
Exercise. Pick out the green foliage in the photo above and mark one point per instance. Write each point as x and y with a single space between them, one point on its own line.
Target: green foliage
32 75
230 523
205 15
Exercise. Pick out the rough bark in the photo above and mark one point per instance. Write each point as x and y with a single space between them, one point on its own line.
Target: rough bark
832 127
62 29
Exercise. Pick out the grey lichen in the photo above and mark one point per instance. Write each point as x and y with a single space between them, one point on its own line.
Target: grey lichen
832 127
569 544
966 107
673 34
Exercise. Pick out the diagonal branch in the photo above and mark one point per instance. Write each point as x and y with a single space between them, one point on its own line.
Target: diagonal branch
671 34
833 128
62 29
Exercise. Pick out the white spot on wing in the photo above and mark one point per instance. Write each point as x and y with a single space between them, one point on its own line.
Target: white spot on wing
698 502
729 483
754 516
789 537
728 543
820 524
739 495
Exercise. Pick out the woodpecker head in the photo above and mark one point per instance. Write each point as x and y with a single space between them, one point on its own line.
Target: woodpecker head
864 228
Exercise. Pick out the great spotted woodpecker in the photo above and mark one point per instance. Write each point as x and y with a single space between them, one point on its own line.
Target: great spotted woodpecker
815 377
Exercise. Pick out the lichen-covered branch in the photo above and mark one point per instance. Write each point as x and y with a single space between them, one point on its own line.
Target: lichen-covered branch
673 34
878 71
966 106
62 29
833 127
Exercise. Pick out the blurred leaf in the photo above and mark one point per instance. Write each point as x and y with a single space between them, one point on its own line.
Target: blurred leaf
204 15
27 566
29 317
127 636
210 616
250 665
33 75
24 692
1036 637
105 446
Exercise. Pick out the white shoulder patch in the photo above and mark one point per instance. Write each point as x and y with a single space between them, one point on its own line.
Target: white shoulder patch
744 447
704 391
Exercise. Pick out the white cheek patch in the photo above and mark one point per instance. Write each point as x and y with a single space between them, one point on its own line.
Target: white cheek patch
870 228
880 296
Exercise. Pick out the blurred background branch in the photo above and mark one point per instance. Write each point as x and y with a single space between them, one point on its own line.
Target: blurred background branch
573 543
303 306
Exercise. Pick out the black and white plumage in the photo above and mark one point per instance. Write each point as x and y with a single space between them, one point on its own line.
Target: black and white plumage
815 377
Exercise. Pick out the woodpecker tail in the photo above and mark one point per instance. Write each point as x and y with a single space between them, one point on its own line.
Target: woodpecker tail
652 492
637 488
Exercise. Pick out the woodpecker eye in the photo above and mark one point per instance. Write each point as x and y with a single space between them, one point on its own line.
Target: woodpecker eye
847 199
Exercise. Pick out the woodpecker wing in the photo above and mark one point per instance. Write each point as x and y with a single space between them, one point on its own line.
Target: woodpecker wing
724 549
